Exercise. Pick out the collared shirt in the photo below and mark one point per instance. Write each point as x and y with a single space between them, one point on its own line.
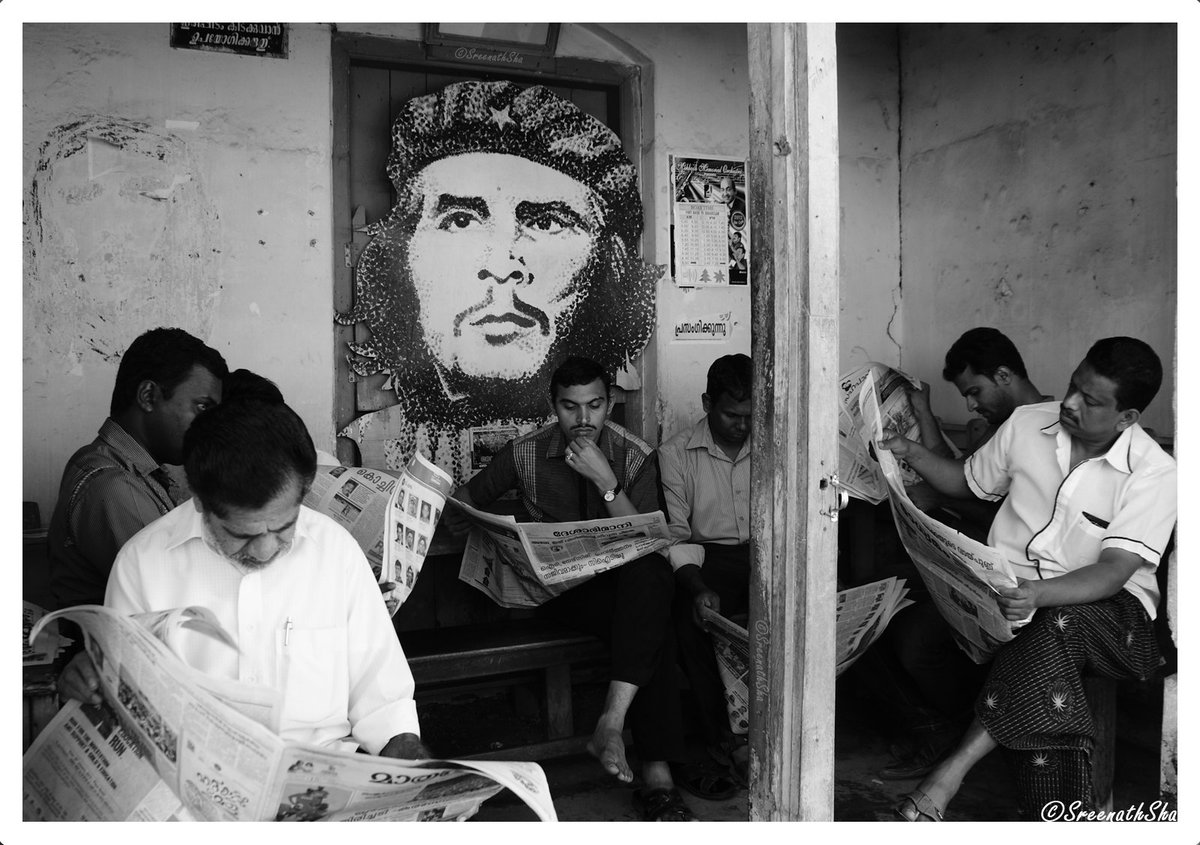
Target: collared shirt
535 466
1056 518
110 490
310 624
707 493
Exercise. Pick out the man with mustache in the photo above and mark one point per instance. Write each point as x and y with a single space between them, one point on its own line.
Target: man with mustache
1089 505
584 466
290 585
513 241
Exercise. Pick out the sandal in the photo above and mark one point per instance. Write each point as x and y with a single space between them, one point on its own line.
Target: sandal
662 805
919 807
705 783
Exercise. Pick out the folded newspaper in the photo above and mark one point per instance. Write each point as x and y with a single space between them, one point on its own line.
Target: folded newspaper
50 642
961 574
172 743
862 615
524 564
391 518
857 470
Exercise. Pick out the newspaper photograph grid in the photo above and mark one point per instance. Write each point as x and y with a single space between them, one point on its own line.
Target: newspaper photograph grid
172 743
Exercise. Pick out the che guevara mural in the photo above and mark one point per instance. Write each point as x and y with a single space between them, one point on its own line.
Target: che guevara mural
512 244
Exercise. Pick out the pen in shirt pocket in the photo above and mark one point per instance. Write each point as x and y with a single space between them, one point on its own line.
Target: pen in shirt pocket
287 631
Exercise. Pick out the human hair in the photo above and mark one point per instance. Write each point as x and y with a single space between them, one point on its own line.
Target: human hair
1131 365
243 454
985 350
243 384
578 370
166 357
731 375
615 314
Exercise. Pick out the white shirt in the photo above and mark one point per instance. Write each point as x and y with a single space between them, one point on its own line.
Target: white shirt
1057 519
340 666
707 494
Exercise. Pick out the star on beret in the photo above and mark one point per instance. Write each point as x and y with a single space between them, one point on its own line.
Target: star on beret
500 117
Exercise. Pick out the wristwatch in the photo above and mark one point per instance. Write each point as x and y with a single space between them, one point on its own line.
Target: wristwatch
609 495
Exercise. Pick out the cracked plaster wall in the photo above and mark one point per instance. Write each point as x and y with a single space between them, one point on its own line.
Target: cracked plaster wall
1038 195
169 187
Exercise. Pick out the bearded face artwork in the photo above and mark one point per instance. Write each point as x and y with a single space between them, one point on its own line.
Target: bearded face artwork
513 243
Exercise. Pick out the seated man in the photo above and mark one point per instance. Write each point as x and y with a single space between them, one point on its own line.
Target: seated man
1089 505
290 586
117 485
706 482
919 667
585 466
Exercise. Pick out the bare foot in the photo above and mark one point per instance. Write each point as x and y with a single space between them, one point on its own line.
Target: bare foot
608 746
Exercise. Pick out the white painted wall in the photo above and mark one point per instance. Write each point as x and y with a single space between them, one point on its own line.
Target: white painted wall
255 284
1038 194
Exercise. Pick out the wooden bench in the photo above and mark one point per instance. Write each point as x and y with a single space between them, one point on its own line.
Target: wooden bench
507 649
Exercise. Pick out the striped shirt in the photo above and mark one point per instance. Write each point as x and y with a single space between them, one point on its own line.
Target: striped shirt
535 466
111 489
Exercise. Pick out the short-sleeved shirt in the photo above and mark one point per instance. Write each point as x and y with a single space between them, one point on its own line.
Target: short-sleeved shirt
707 493
111 489
535 466
1056 518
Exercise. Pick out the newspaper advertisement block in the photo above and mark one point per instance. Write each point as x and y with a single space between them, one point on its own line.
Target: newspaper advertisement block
862 615
961 574
413 512
524 564
170 742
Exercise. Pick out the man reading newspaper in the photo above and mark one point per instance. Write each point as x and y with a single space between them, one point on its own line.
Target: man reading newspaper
1091 502
290 585
584 466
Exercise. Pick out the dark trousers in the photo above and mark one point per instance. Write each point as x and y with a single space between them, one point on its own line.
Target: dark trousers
630 608
726 571
1033 702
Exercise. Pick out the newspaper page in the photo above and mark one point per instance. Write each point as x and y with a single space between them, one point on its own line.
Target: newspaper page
857 471
524 564
219 763
356 498
413 512
50 643
961 574
862 615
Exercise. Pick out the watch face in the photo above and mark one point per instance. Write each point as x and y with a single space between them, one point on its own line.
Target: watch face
609 495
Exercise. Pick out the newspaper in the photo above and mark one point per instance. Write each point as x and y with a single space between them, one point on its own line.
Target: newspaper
413 513
857 471
172 743
50 643
862 615
961 574
392 519
524 564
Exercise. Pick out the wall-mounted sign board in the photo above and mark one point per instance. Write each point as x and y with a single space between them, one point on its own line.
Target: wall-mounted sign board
247 39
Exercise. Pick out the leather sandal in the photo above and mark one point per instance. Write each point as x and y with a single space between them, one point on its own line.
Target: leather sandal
704 782
919 807
662 805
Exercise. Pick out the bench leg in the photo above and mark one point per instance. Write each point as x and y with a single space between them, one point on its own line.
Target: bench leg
560 720
1102 698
